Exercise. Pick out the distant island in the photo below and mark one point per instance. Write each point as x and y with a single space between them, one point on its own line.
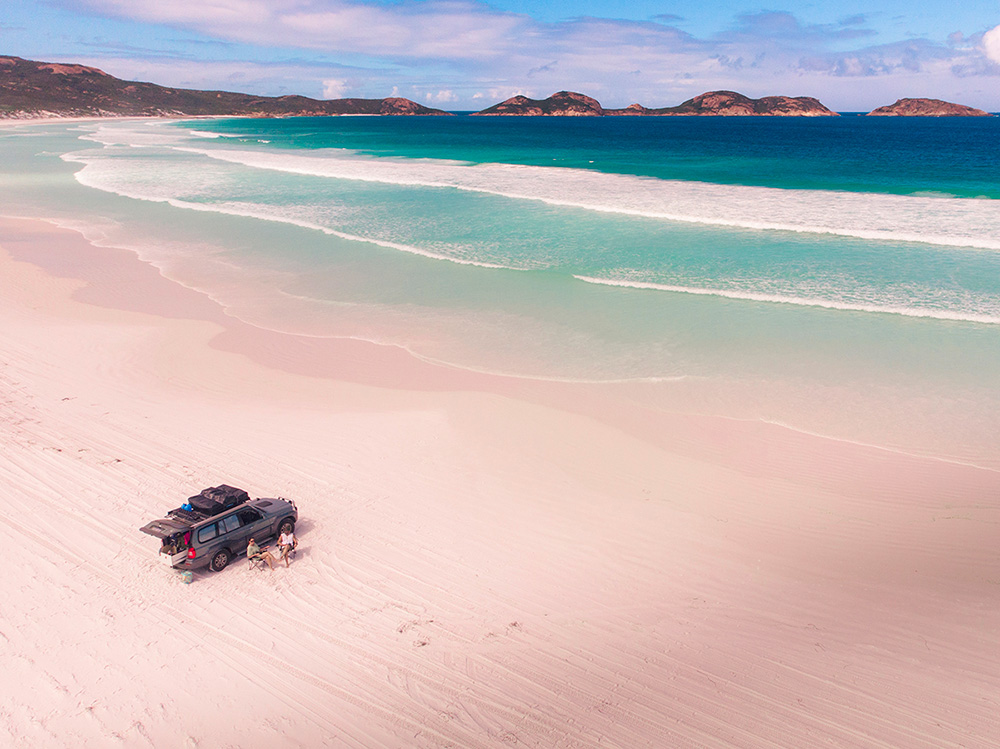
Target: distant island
732 104
30 90
927 108
711 104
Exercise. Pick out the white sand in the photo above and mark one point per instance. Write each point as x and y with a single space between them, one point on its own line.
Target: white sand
481 563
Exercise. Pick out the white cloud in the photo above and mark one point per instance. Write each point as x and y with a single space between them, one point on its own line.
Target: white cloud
497 95
427 29
441 97
468 46
334 88
991 44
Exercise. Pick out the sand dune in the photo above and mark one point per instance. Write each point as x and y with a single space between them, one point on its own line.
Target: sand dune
481 564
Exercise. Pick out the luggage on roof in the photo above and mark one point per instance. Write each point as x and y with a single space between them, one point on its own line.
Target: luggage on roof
207 503
215 499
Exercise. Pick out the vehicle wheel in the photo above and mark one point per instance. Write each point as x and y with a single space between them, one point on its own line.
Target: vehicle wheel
220 560
287 526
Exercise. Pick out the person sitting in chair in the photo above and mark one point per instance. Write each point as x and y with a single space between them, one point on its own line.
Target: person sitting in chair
286 545
254 553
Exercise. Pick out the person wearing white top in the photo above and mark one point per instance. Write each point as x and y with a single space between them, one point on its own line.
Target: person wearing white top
286 545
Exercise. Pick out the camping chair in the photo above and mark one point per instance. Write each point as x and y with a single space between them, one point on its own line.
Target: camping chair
258 562
290 553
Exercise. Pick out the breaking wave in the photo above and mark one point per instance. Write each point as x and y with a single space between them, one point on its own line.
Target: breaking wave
954 222
799 301
929 218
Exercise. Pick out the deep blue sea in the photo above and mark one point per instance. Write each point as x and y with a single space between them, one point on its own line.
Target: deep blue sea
954 155
837 275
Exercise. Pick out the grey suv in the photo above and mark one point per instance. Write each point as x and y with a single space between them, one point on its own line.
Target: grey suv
193 542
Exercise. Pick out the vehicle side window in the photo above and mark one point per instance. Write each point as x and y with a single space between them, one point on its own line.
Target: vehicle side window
249 516
207 533
229 524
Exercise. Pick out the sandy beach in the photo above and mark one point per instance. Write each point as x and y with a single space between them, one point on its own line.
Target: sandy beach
483 561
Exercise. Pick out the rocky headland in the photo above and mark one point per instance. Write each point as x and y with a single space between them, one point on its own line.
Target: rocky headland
30 89
927 108
711 104
732 104
560 104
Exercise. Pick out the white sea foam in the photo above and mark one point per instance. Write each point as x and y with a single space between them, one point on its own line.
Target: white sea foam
942 221
99 180
250 293
798 300
616 193
211 135
133 134
883 448
641 380
243 301
952 222
931 220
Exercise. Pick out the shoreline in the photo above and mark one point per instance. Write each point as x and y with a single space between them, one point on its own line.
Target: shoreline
482 560
115 278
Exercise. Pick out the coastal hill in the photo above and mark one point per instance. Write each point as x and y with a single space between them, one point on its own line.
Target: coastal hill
711 104
30 89
732 104
561 104
927 108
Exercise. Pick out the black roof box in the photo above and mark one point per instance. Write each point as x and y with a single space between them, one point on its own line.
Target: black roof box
218 498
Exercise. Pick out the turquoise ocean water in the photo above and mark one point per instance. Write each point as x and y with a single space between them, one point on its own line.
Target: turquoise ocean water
840 276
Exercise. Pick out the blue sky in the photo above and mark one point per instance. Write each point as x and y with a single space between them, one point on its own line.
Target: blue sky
464 54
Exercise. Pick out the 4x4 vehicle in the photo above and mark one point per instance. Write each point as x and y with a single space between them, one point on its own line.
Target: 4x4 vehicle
193 537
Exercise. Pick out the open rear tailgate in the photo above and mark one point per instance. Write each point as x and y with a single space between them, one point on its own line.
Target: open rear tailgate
165 527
